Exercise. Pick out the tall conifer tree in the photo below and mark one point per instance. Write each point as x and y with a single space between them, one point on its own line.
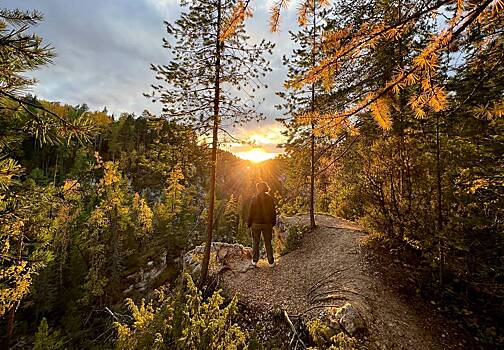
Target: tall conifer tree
309 100
210 80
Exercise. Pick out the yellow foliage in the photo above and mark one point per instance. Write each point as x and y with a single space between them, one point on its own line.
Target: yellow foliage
111 175
239 13
380 110
490 112
498 6
143 213
307 118
16 280
71 189
438 100
199 324
477 184
302 17
274 20
100 119
348 44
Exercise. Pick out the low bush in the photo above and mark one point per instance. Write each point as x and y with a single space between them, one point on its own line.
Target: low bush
324 338
181 320
294 238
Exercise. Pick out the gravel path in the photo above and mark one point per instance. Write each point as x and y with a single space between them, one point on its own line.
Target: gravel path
328 270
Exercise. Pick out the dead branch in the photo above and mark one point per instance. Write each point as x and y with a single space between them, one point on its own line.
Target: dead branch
294 331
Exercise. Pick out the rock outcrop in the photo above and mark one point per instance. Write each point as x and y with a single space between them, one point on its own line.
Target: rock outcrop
236 257
146 275
349 319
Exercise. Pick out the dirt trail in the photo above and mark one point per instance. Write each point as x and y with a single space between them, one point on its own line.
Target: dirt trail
330 269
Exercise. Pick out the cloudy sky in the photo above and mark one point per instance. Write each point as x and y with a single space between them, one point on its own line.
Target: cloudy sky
104 48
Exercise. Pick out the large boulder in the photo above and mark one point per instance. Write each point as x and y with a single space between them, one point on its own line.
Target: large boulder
349 319
222 256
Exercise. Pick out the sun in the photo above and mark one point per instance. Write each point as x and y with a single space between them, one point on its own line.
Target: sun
256 155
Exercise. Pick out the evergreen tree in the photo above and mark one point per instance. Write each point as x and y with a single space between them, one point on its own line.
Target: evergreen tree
211 58
45 339
232 217
24 51
303 104
111 231
24 239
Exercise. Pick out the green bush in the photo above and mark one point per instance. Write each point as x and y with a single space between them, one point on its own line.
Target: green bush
45 339
182 320
325 338
294 238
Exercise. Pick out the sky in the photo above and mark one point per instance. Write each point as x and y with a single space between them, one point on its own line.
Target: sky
104 49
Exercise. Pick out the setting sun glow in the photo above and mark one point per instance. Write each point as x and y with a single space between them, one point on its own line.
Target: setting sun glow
256 155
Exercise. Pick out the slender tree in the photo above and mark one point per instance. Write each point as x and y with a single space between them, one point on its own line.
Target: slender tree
210 80
303 104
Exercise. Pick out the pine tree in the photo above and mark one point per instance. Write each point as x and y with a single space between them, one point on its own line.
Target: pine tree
303 104
109 233
22 205
45 339
23 52
211 58
232 217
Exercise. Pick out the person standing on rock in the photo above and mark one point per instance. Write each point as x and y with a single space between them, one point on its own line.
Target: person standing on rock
261 219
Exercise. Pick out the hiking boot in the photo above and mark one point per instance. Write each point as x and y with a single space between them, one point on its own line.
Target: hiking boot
272 264
253 263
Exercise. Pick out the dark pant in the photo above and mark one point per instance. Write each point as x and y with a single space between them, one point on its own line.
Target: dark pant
267 232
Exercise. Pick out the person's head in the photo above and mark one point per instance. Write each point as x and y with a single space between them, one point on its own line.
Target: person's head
262 187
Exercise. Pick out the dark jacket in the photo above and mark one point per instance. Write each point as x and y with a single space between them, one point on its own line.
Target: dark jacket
262 210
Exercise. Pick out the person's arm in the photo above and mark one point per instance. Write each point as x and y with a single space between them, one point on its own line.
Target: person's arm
251 213
274 211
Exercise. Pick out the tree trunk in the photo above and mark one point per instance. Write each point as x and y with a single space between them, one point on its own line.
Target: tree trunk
439 205
312 135
12 311
55 168
312 179
216 120
10 325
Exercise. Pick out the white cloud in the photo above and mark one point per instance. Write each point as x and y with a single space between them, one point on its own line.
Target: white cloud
165 7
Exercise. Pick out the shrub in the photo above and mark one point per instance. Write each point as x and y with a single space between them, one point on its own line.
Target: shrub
294 238
325 338
182 320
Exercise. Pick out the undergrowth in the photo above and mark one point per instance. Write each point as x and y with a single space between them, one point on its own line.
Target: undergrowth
182 320
324 338
294 238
